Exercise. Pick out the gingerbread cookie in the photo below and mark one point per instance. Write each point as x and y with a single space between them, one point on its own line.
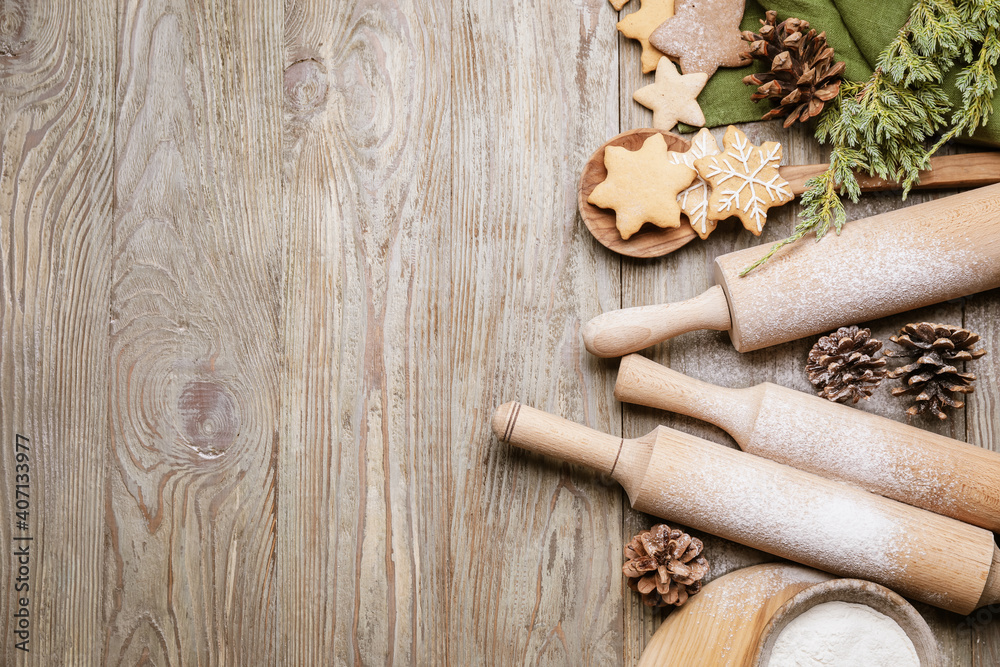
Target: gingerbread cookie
642 186
704 35
694 198
638 26
618 4
672 96
745 180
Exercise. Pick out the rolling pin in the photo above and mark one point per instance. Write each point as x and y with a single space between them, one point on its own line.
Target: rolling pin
810 433
878 266
769 506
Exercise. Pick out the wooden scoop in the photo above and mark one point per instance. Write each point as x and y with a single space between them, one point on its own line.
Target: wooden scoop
734 620
948 171
879 266
723 624
810 433
765 505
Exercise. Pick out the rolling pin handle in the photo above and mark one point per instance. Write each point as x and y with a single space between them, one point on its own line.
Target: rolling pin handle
619 332
553 436
646 382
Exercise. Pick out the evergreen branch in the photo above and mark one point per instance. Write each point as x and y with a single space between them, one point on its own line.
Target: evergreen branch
977 83
823 209
879 126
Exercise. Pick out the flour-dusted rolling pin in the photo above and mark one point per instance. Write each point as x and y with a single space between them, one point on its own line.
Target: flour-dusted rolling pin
775 508
878 266
810 433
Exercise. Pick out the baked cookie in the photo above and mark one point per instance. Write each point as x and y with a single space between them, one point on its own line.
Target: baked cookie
745 180
638 26
693 199
642 186
672 96
704 35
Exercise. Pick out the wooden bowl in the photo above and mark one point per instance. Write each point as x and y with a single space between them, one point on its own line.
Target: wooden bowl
650 241
877 597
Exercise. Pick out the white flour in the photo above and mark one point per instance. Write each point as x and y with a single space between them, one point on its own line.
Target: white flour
845 635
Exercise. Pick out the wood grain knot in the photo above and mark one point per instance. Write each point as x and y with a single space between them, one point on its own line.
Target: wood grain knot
306 85
210 417
13 25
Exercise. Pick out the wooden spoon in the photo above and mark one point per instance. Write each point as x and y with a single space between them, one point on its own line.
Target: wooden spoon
650 241
947 171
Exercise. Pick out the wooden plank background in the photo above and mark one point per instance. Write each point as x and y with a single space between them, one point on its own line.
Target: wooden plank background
267 269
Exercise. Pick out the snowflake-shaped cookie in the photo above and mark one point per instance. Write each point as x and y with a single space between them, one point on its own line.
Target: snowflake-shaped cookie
694 198
745 180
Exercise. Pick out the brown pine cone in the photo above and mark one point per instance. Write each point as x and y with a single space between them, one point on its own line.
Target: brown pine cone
664 565
933 377
845 365
803 75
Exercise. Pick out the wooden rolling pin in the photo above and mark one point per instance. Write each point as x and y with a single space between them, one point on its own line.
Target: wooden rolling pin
966 170
790 513
810 433
879 266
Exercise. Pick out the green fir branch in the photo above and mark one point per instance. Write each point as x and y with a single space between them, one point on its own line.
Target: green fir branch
823 208
977 81
880 126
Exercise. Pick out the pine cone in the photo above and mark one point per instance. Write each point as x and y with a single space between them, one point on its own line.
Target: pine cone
933 377
845 366
803 75
665 565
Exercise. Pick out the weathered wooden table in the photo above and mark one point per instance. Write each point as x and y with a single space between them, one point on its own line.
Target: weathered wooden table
267 269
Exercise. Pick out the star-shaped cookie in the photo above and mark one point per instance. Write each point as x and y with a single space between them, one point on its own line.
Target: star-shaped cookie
672 96
618 4
694 198
639 25
745 180
642 186
704 35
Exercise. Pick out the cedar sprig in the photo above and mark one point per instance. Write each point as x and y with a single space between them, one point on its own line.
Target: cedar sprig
977 81
880 126
824 206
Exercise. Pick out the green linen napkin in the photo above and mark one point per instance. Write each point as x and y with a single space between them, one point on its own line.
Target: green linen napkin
858 31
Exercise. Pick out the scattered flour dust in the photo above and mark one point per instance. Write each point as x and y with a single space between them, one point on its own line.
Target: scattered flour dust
732 613
865 273
865 450
843 634
767 506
